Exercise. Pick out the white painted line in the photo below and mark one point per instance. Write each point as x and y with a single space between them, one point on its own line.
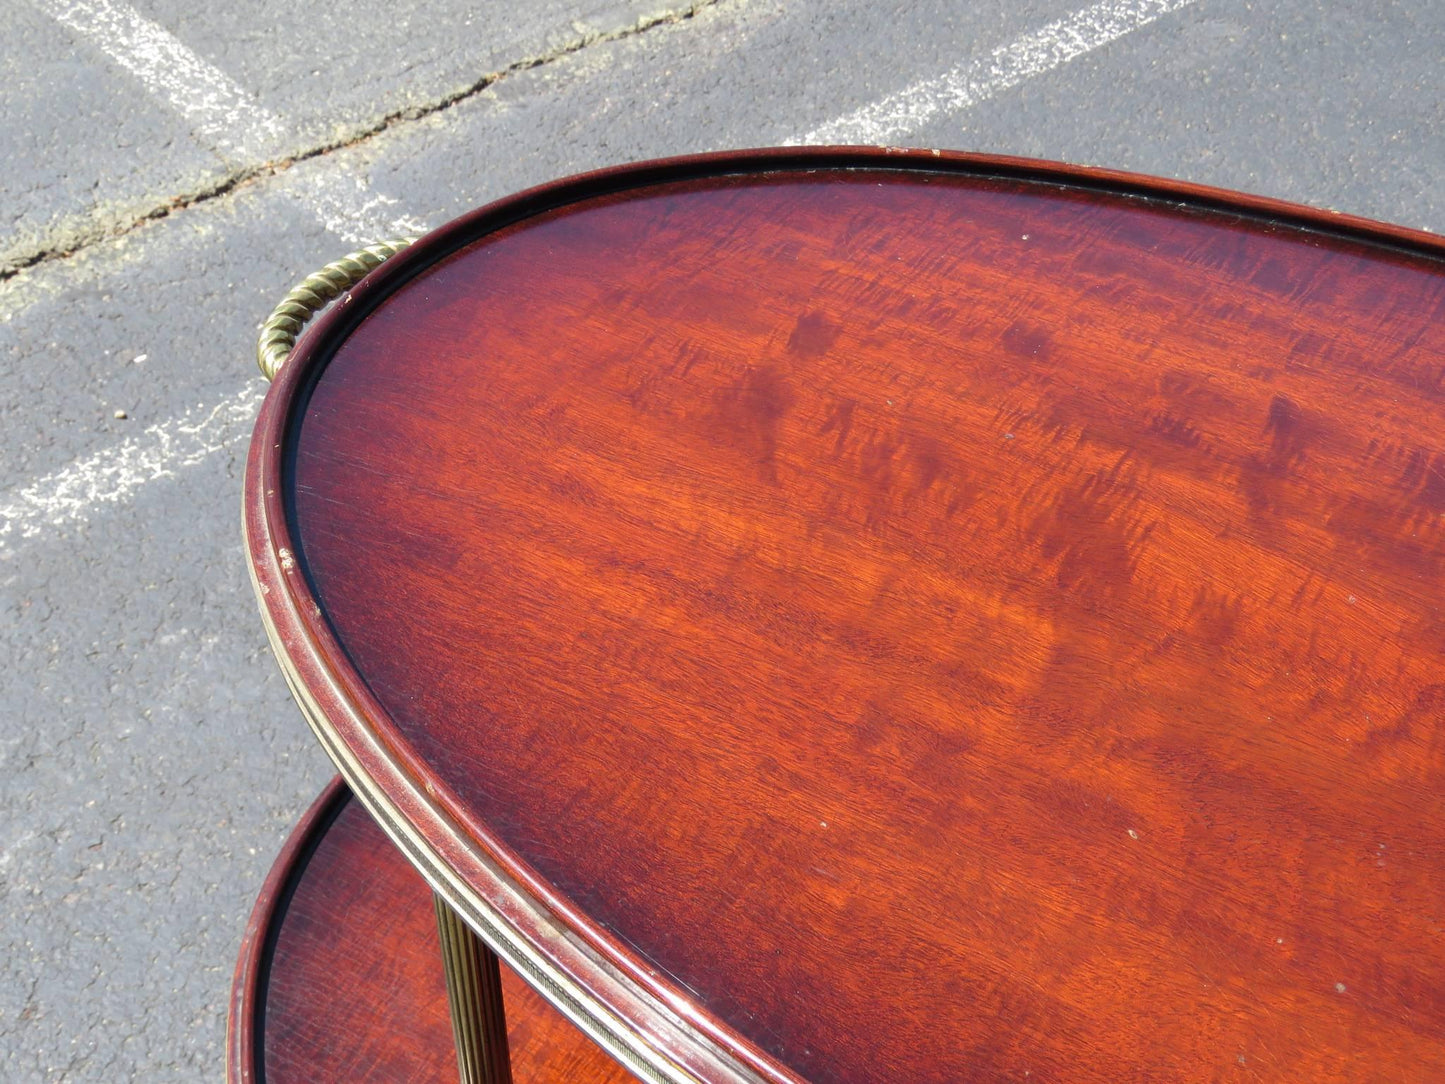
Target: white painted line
70 494
217 109
350 208
223 113
1042 50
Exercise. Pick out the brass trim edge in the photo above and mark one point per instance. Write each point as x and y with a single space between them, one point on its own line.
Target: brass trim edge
311 295
585 1011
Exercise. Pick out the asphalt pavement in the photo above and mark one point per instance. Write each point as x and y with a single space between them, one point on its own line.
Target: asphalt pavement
170 170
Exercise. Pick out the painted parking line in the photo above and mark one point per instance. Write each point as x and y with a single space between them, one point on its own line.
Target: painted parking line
1026 57
216 108
222 113
114 475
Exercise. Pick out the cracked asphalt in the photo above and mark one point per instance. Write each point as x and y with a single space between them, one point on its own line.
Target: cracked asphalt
151 761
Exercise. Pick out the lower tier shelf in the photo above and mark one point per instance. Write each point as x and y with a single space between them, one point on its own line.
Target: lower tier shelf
340 974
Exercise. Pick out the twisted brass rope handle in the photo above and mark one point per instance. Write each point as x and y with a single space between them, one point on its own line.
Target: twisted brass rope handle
278 333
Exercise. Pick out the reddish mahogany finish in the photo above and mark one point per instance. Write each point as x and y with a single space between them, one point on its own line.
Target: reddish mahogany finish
340 976
945 619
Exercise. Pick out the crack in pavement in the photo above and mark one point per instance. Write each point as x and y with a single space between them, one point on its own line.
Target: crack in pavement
82 236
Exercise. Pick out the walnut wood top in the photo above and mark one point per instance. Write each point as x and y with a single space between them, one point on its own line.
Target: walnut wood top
865 616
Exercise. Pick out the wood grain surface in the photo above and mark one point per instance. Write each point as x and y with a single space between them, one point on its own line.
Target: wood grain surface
341 976
942 622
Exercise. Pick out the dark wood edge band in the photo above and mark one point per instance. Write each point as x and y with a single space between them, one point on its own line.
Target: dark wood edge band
640 1017
246 1016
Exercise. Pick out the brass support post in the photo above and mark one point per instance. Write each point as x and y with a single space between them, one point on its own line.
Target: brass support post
474 990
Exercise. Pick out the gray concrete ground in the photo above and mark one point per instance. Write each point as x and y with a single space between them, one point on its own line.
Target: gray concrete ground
171 168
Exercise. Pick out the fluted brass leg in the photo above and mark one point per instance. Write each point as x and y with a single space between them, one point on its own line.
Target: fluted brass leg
474 989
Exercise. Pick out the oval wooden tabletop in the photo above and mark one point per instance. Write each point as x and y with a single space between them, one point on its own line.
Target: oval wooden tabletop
856 616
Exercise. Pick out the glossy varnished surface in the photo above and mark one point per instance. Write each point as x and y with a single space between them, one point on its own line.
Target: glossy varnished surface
341 975
950 628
